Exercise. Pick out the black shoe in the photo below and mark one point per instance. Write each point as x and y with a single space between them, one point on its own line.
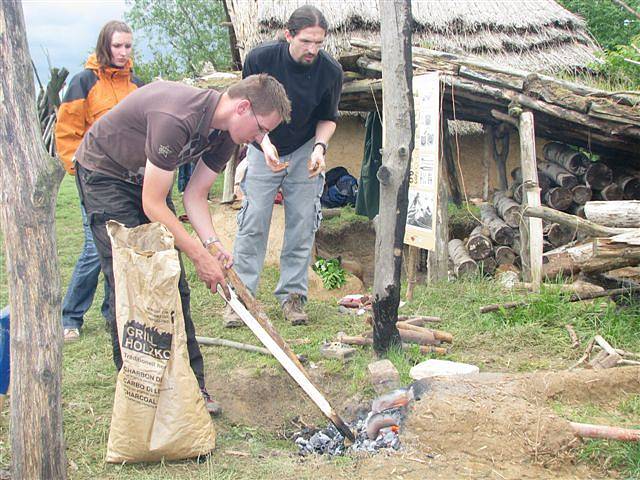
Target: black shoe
213 407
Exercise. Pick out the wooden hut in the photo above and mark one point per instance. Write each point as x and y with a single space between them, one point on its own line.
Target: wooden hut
531 35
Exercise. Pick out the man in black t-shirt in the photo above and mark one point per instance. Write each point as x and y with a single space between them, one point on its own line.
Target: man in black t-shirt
291 158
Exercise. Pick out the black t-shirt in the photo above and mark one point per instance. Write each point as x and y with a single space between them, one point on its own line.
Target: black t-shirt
314 91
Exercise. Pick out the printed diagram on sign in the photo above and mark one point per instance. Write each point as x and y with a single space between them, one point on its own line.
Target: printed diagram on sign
423 173
419 213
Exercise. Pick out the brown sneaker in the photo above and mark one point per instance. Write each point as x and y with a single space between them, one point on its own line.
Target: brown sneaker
230 319
292 309
212 406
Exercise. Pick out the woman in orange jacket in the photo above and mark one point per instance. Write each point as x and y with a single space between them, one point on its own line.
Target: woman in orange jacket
106 79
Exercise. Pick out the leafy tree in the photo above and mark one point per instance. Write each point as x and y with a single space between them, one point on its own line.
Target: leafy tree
609 23
618 32
182 35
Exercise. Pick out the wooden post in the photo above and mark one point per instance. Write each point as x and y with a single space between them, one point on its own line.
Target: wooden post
30 180
229 176
412 267
397 75
450 170
487 154
531 228
501 153
438 260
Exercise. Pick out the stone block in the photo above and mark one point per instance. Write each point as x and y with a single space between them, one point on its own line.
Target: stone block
383 376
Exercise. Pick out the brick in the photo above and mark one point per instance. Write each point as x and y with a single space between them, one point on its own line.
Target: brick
383 376
337 350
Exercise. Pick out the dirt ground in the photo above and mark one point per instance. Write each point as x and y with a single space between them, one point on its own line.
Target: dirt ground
483 426
490 425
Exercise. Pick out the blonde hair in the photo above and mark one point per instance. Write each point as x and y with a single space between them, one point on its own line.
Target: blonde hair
265 93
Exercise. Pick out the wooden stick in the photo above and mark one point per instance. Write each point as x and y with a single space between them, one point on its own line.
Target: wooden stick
627 362
221 342
418 319
438 334
575 343
572 298
585 356
412 267
422 338
605 345
572 221
587 430
363 341
259 323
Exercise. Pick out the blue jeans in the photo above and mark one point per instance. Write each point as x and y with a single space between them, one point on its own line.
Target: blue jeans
302 213
84 282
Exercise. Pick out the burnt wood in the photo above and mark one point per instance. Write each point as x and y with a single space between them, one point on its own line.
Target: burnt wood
507 208
399 120
500 232
572 160
463 264
479 243
597 176
559 175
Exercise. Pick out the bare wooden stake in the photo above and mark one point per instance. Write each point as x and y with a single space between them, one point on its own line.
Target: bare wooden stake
575 343
412 268
586 430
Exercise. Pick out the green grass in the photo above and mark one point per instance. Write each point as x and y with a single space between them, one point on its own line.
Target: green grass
609 455
517 340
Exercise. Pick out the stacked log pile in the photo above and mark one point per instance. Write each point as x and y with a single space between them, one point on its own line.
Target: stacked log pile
601 121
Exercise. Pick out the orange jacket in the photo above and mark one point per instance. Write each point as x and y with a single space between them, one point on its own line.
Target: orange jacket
91 94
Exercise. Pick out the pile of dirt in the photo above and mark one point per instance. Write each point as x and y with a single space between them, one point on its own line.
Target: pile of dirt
483 426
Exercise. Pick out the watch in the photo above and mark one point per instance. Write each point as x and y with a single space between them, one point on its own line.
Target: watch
210 241
323 145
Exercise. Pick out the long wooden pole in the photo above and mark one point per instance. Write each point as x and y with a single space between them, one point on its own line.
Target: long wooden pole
30 179
531 229
572 298
399 116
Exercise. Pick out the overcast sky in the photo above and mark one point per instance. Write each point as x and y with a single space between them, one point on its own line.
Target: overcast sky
67 30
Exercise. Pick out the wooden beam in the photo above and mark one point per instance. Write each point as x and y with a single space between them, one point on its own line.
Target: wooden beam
438 259
229 176
531 229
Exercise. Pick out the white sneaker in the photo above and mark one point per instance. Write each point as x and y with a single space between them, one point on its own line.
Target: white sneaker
71 335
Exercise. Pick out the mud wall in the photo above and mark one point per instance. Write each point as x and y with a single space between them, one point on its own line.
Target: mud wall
347 149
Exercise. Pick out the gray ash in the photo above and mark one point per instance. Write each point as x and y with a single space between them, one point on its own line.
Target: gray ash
329 441
375 430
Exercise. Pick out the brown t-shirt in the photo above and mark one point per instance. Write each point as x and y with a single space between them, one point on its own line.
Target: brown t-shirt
168 123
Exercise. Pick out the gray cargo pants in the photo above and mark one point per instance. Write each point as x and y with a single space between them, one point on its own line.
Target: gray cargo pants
302 218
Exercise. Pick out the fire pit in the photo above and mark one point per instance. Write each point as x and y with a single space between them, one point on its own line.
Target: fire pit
378 429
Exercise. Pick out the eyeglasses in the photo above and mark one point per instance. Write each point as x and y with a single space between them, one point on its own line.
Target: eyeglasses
262 130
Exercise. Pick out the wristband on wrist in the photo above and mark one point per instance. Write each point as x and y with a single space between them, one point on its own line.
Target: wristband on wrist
323 145
210 241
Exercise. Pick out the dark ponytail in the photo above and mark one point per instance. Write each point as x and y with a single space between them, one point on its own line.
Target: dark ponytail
305 17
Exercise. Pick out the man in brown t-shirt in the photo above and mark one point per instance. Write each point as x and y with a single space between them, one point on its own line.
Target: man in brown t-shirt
125 169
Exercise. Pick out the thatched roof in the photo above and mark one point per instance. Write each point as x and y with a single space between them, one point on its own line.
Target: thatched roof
534 35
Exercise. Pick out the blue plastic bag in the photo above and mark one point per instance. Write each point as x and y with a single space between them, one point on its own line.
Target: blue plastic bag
4 351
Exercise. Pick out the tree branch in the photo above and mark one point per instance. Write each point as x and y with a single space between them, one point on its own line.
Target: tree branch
627 8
